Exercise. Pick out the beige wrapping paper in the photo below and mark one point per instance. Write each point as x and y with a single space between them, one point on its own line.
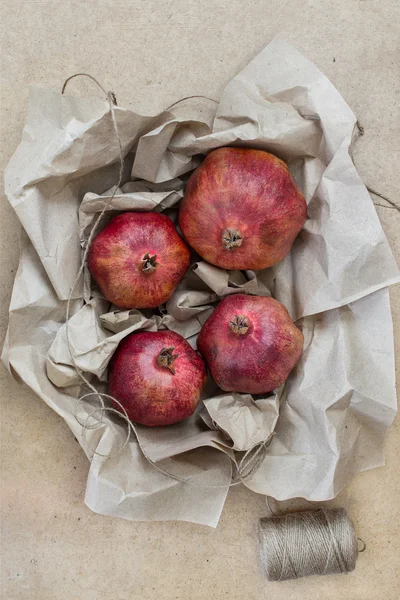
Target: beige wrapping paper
331 416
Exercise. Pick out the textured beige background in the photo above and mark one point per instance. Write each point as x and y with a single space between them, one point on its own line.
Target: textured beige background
151 53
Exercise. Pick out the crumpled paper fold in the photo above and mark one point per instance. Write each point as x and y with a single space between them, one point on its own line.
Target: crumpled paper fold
331 416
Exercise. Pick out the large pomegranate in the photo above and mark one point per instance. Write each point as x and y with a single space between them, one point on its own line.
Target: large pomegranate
157 377
242 209
138 259
250 344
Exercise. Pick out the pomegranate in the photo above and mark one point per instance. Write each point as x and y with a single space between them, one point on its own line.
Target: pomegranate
138 259
242 209
157 377
250 344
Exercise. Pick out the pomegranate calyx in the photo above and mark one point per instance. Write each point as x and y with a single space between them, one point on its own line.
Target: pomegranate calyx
149 263
231 239
239 325
166 359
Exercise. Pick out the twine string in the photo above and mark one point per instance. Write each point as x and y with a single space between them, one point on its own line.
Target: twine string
189 98
358 133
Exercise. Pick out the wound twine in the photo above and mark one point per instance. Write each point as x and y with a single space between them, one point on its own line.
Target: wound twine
251 460
317 542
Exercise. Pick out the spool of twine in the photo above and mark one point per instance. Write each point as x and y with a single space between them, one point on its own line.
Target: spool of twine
317 542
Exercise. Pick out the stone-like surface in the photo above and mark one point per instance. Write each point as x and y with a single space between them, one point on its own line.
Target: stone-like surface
151 54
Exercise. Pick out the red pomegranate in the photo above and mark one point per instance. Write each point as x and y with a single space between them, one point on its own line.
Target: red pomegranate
242 209
138 259
250 344
157 377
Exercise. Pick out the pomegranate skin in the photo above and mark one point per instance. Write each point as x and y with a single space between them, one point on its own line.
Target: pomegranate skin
154 387
242 209
250 344
138 259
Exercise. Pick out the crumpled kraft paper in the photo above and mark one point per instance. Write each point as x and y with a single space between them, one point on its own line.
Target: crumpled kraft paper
331 416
